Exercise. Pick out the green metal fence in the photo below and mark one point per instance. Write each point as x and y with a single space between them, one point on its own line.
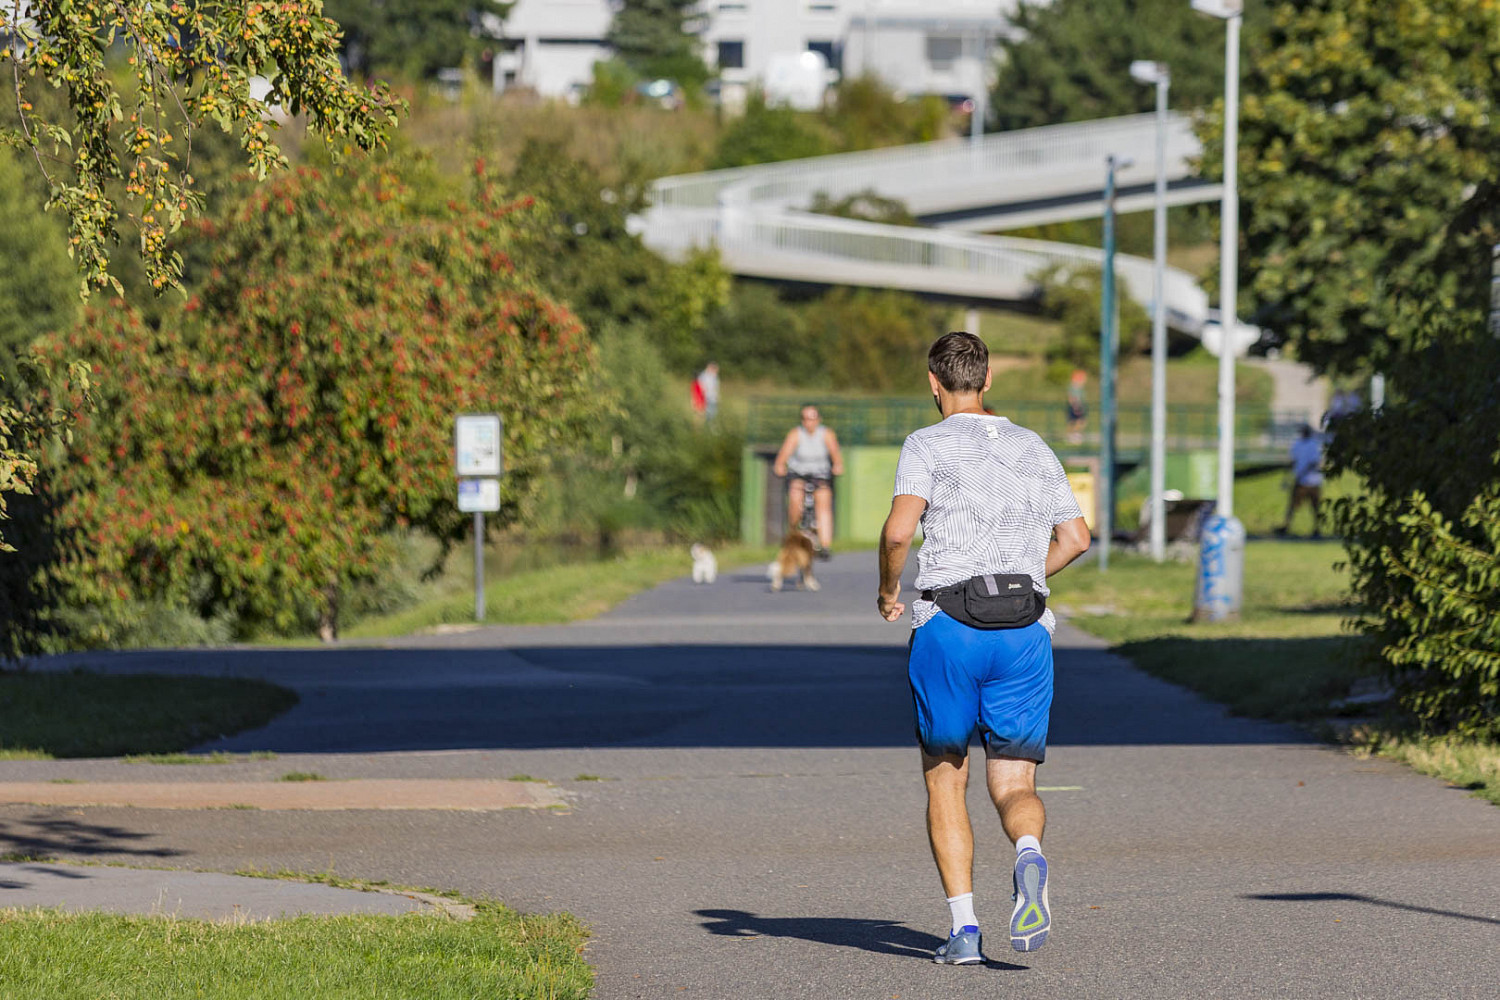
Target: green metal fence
1260 433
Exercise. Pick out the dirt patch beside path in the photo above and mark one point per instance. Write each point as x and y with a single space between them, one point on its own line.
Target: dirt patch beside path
475 795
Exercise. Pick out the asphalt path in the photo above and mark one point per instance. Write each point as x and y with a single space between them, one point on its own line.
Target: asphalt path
755 829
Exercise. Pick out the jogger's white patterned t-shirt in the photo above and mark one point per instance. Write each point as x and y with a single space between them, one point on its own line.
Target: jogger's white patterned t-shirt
994 493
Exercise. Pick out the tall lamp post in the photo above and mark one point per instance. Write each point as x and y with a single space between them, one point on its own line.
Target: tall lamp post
1109 334
1221 563
1146 71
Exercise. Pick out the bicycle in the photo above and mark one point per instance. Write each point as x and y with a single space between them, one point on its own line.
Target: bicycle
808 523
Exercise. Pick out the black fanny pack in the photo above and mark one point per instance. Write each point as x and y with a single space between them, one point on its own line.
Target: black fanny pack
991 601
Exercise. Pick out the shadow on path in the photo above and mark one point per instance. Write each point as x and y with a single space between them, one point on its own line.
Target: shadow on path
884 937
42 836
1355 897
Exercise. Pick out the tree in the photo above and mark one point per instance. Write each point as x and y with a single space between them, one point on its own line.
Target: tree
1069 60
413 37
250 456
583 253
1366 129
1073 297
38 286
655 38
125 145
874 338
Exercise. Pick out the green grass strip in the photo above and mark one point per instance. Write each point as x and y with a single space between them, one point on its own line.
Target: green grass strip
1287 658
1464 763
84 714
498 953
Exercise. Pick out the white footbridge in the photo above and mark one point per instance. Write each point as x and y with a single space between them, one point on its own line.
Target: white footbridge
758 217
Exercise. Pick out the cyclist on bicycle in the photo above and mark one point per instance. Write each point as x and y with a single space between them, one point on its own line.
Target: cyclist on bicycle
810 456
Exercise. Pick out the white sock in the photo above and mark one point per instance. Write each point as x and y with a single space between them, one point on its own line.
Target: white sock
962 908
1028 843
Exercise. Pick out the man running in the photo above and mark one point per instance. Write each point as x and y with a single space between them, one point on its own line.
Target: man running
992 500
810 455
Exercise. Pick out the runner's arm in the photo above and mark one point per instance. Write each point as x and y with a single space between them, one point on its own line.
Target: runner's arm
787 447
1069 541
895 543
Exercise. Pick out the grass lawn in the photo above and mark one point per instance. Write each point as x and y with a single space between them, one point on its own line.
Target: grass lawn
84 714
1260 499
1287 658
541 596
498 953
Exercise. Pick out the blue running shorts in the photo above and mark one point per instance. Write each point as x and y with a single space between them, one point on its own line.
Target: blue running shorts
1000 680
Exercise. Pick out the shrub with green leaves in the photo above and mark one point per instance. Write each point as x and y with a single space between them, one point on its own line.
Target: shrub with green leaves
874 339
1424 537
767 134
866 114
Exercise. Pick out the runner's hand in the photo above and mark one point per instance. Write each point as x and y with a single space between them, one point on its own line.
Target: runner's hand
890 608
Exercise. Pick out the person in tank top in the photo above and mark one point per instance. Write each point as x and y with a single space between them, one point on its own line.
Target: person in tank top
810 458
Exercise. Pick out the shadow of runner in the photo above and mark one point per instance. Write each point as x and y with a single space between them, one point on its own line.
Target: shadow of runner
1355 897
884 937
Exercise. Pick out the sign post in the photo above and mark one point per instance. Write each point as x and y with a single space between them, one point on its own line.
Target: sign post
477 461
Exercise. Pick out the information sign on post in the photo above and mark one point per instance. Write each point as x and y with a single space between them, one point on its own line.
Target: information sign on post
478 461
479 496
476 445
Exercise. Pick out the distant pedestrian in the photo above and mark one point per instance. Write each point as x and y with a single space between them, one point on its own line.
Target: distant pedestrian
998 518
708 386
1077 405
1307 478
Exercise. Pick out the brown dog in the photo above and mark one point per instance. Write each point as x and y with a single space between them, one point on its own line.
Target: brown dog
794 559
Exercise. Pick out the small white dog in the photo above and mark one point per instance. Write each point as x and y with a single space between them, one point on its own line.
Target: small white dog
705 566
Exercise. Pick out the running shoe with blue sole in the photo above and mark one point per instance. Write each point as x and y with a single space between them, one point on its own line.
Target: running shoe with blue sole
961 948
1031 919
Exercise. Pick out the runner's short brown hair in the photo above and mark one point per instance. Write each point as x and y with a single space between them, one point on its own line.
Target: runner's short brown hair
960 361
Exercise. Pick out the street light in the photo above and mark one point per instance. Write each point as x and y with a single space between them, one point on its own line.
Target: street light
1109 336
1146 71
1221 564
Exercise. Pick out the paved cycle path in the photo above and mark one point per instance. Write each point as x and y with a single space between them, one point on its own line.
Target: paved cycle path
744 812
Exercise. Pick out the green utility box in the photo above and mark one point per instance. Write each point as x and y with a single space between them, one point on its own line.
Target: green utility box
862 497
1195 473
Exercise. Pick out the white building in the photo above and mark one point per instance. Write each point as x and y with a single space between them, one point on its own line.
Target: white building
553 45
933 47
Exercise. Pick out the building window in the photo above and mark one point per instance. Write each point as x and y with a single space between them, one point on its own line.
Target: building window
829 51
816 7
731 55
733 8
943 51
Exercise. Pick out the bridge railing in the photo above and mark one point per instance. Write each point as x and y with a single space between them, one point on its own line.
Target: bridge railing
926 166
1010 263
